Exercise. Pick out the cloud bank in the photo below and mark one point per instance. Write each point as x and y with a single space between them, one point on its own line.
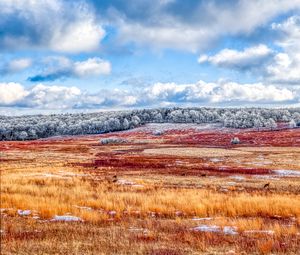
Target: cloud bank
249 58
159 94
62 67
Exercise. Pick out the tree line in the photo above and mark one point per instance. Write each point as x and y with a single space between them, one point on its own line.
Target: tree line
30 127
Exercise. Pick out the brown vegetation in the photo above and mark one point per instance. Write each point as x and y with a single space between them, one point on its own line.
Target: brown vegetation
146 197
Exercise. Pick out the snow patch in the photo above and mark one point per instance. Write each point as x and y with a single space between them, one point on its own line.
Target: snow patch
238 177
207 228
24 212
66 218
200 219
227 230
112 140
112 213
231 183
288 173
230 230
265 177
164 127
216 160
129 183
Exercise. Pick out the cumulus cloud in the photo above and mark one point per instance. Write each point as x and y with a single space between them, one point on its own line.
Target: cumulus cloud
51 97
249 58
15 65
62 67
159 94
69 26
286 65
191 25
202 92
11 93
280 66
92 66
49 24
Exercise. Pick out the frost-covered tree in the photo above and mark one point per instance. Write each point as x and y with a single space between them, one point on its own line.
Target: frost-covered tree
22 135
40 126
125 124
292 124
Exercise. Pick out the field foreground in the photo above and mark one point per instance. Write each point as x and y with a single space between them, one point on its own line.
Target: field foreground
164 189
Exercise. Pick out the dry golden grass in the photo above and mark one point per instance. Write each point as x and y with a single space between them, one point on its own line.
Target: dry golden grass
154 217
197 152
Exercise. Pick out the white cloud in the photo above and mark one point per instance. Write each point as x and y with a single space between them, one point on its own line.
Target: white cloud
58 67
286 65
159 94
11 93
285 69
82 35
279 66
256 92
219 93
42 96
166 36
92 66
249 58
49 24
201 26
15 65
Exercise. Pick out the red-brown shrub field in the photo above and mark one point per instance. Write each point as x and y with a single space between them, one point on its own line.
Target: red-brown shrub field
175 192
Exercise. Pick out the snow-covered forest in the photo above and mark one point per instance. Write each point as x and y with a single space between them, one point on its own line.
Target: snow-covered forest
41 126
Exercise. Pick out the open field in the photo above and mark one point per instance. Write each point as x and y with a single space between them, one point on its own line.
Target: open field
182 190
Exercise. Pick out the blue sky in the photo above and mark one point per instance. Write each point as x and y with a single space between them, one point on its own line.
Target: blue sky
62 55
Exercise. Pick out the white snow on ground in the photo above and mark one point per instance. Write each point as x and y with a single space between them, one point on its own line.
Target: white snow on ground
277 174
230 230
163 127
66 218
216 160
59 174
125 182
227 230
50 175
199 219
207 228
24 212
112 213
265 177
238 177
231 183
129 183
287 173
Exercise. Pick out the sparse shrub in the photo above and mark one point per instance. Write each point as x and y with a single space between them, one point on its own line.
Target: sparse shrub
235 140
113 140
157 132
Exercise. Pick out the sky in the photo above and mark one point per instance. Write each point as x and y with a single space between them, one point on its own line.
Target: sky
90 55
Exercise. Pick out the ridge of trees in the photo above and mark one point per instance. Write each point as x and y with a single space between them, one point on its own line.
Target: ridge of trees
31 127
